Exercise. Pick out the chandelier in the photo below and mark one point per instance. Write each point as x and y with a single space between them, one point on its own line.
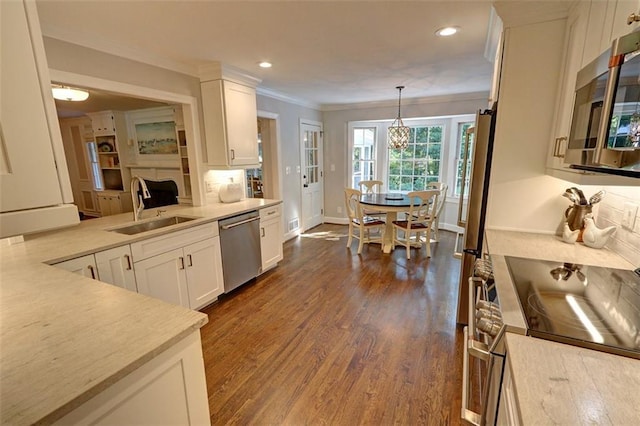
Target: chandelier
398 132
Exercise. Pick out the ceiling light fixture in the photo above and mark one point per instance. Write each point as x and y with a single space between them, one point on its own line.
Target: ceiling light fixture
66 93
265 64
398 132
447 31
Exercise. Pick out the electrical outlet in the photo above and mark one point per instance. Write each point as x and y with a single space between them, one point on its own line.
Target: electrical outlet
629 216
209 186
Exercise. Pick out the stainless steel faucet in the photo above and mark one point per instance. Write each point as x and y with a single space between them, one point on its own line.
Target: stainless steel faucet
138 204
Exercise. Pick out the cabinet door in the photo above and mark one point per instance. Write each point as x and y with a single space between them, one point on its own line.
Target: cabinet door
102 123
574 43
163 276
104 204
242 123
204 272
115 206
115 266
28 175
85 266
270 243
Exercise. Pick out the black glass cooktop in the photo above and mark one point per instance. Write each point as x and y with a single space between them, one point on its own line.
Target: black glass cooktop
588 306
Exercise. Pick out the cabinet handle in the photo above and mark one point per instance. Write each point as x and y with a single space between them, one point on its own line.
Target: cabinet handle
233 154
262 230
271 212
126 256
93 271
181 262
558 150
633 18
190 260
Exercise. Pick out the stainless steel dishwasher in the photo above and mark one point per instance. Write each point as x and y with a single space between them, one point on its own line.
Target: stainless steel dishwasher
240 242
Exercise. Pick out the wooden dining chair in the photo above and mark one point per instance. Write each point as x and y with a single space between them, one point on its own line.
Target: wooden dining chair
360 225
440 200
418 221
372 187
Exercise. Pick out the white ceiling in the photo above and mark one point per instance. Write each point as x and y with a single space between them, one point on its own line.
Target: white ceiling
323 52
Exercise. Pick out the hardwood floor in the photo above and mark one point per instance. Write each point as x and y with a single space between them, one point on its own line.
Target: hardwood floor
330 337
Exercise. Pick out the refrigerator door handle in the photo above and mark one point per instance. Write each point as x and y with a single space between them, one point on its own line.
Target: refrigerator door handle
465 159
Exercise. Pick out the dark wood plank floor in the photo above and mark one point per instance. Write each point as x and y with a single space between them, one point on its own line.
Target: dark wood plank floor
330 337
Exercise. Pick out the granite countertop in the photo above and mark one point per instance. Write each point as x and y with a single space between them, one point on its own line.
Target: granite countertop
557 383
65 338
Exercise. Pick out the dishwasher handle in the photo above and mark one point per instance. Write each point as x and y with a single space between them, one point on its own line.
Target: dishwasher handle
242 222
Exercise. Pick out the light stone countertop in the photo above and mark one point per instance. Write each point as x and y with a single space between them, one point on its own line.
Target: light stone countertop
558 383
65 338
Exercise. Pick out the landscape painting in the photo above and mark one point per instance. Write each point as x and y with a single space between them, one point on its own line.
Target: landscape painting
157 138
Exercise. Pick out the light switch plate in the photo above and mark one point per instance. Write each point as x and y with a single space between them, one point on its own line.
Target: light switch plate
629 216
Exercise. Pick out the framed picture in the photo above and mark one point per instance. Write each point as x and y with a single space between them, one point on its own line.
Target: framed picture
157 138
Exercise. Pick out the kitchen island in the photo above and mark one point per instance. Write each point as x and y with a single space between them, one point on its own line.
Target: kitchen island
556 383
66 339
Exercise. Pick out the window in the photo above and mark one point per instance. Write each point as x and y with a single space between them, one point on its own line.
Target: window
92 152
412 168
461 146
363 158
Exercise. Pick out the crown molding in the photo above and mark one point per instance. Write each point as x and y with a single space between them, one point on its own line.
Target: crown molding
519 13
288 99
219 71
105 46
459 97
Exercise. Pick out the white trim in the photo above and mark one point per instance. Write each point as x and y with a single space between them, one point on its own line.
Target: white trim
189 111
336 220
458 97
291 235
220 71
263 91
276 117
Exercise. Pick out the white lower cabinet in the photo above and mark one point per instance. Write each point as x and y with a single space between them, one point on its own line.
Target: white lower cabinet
84 265
163 277
170 389
270 237
184 268
113 266
508 412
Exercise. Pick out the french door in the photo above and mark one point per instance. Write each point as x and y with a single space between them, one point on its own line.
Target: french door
312 174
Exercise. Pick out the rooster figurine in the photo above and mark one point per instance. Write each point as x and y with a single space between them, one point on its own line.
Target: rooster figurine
593 236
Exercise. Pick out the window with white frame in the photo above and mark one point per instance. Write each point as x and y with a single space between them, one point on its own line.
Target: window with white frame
363 157
460 149
412 168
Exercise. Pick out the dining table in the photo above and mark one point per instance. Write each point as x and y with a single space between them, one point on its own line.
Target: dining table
390 204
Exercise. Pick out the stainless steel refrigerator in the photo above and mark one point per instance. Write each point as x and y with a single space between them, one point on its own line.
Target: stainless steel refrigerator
472 214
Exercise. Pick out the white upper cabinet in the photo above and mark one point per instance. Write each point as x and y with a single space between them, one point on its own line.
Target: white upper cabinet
230 123
30 139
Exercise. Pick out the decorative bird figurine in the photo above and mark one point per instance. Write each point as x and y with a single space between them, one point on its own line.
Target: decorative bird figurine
593 236
569 236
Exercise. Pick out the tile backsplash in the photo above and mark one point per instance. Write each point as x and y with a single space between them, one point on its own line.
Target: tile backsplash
214 178
625 242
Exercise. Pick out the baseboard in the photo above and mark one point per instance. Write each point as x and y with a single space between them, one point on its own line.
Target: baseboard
336 220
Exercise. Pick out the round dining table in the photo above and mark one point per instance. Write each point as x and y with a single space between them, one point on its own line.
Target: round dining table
391 204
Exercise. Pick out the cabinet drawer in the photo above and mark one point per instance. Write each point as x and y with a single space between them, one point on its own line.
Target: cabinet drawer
164 243
270 212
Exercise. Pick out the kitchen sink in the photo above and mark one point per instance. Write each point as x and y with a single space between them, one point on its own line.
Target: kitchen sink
150 225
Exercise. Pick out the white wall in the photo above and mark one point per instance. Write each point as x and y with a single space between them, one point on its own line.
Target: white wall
336 121
288 120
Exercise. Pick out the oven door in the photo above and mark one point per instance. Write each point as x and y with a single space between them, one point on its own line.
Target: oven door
483 346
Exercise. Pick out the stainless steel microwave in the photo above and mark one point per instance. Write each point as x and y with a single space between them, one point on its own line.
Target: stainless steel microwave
605 126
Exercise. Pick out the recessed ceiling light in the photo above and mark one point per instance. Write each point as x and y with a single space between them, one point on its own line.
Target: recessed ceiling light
447 31
265 64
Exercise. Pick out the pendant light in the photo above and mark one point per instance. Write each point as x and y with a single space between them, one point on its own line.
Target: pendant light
66 93
398 132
